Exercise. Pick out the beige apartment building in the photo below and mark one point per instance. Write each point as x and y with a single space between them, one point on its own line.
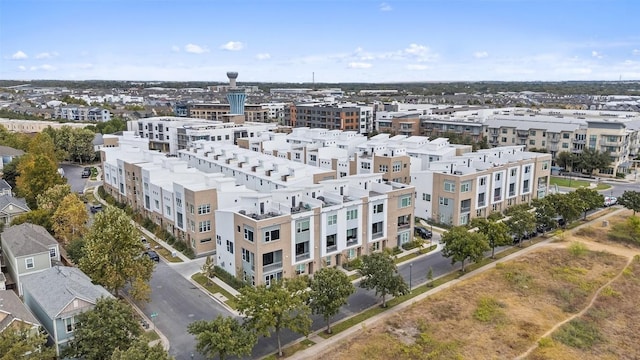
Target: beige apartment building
458 189
252 112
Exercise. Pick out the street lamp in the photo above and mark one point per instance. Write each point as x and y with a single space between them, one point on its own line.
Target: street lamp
410 273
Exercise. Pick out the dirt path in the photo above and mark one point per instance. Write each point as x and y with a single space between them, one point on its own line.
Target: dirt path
626 252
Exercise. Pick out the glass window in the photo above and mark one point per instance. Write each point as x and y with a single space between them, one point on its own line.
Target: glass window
204 209
405 201
378 208
248 233
230 246
449 186
465 186
29 263
426 197
204 226
332 219
272 235
352 214
302 226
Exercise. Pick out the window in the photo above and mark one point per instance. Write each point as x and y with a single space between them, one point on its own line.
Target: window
565 145
405 201
191 208
168 210
69 324
527 169
297 156
465 186
443 201
332 241
272 235
29 263
565 135
513 172
230 246
426 197
449 186
202 241
332 219
204 226
248 233
498 176
365 165
504 139
378 208
383 168
545 165
525 186
481 200
300 269
532 142
312 157
302 226
497 194
397 166
483 181
376 228
352 235
403 238
204 209
512 189
532 133
52 252
504 131
352 214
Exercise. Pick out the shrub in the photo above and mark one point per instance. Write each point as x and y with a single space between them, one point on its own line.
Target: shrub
353 264
488 310
412 244
578 333
578 249
231 280
545 342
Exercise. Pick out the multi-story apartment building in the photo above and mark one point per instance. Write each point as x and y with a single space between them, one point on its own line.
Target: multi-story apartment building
79 113
252 112
558 130
440 127
331 116
297 231
266 217
170 134
400 122
276 111
455 190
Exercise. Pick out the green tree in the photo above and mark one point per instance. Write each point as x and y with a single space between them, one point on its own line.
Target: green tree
588 199
38 217
565 207
10 172
521 223
141 350
565 160
112 254
461 245
545 212
37 174
222 336
110 325
16 343
330 289
75 250
70 218
82 149
630 200
497 233
381 274
287 308
590 160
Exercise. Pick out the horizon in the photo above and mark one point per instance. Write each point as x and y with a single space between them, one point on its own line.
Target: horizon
289 42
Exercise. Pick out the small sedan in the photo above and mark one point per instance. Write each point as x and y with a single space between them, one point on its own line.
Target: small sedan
422 232
152 255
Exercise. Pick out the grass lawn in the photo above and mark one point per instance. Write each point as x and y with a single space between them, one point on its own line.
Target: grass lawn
150 336
290 350
574 183
415 254
166 254
213 288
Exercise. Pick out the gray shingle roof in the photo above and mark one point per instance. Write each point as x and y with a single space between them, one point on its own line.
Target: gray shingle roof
8 199
10 304
4 185
9 151
57 287
27 239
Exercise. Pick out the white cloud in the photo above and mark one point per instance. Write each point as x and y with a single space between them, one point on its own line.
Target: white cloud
417 67
19 55
22 68
635 52
45 67
46 55
195 49
263 56
480 54
420 52
596 54
385 7
175 48
232 46
359 65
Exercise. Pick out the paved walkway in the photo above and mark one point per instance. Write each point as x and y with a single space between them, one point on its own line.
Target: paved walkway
325 345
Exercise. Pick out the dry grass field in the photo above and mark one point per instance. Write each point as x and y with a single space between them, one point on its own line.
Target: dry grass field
507 311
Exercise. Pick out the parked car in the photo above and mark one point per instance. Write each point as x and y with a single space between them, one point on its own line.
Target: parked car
610 200
422 232
86 172
152 255
95 208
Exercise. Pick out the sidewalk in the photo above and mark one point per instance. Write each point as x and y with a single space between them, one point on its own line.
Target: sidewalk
322 345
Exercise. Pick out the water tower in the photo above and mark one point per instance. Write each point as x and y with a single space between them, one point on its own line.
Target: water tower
235 95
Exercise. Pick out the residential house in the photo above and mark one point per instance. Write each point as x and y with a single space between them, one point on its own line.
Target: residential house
14 314
27 249
57 296
8 154
10 207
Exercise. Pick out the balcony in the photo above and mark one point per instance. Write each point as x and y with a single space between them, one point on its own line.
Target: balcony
465 209
331 248
272 267
377 235
497 198
482 203
303 256
404 226
582 141
352 241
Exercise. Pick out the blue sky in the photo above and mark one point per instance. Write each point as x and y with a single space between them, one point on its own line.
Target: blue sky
338 40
